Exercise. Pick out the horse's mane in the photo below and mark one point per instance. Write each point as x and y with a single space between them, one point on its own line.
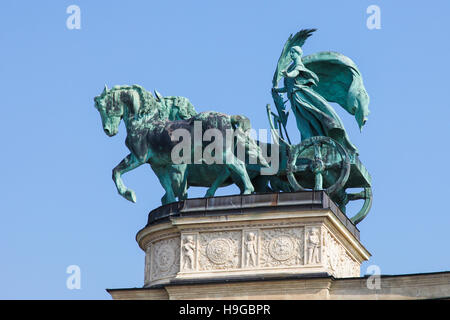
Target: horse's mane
149 104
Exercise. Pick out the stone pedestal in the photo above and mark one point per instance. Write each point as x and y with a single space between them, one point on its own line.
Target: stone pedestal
269 246
249 238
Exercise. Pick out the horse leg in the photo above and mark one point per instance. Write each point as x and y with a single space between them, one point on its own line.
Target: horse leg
261 184
163 174
178 177
224 174
130 162
167 185
182 195
238 167
279 185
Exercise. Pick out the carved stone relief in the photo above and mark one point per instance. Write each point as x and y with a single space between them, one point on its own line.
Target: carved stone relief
338 260
219 250
188 252
147 264
282 247
313 245
164 258
250 249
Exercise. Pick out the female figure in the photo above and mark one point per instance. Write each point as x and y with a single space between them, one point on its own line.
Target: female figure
314 115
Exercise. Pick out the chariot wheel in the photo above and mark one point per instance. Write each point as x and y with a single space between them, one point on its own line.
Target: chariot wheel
336 158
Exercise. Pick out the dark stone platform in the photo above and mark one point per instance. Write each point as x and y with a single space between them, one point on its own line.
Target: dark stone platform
253 203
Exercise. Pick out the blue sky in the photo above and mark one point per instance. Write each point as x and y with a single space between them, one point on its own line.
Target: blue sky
58 204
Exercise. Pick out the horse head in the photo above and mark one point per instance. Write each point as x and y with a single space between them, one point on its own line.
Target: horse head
116 103
111 111
135 103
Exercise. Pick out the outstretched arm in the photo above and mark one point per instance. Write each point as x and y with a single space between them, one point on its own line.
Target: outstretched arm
293 74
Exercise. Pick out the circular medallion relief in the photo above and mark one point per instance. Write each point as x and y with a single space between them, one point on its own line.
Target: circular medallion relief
219 250
281 248
165 257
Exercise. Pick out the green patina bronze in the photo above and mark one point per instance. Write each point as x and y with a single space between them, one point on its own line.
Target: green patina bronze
324 160
151 122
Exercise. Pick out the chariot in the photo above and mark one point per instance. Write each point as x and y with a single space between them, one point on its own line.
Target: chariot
322 163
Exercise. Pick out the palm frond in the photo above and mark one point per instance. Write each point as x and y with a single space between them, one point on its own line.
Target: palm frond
300 37
294 40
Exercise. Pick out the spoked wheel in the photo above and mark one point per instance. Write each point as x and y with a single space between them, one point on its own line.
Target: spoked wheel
335 157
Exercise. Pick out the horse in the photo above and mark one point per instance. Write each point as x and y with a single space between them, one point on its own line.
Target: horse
151 123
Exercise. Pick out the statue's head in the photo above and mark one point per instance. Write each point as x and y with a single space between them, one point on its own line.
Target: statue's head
296 52
111 110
